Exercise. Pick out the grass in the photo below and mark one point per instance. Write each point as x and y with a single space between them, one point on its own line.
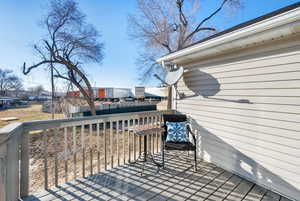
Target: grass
31 113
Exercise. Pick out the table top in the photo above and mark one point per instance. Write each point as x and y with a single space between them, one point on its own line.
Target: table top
147 131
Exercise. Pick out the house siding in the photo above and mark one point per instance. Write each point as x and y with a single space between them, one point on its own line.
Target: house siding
246 113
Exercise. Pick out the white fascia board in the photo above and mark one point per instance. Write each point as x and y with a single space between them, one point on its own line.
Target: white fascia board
254 32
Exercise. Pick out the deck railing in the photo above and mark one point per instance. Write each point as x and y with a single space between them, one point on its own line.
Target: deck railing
52 152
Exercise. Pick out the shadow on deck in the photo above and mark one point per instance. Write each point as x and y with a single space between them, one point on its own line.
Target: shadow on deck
178 181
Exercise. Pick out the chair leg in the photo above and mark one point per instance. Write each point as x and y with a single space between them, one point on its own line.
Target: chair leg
195 158
163 157
188 156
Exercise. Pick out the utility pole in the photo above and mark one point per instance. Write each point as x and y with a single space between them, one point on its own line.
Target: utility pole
52 92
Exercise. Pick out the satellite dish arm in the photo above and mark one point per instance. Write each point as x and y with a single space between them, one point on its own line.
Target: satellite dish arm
175 87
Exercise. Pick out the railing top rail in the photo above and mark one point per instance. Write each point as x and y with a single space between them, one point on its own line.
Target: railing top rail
10 128
57 123
60 123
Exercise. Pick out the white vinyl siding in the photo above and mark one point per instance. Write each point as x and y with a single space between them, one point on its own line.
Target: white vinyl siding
246 113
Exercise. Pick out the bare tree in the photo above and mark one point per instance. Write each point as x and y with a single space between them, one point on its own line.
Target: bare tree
165 26
37 90
70 42
9 82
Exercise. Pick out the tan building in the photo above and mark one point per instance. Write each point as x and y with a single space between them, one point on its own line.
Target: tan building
241 89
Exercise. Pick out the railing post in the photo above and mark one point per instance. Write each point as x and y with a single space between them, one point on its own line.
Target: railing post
24 181
3 167
13 177
9 162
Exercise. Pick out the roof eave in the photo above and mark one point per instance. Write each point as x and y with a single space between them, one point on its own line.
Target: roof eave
284 24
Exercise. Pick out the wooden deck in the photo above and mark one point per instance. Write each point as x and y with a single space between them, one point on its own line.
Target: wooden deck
177 181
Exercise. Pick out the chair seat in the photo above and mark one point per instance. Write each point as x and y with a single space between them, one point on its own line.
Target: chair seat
185 146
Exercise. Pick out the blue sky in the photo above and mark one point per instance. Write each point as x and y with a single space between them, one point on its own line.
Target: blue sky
19 30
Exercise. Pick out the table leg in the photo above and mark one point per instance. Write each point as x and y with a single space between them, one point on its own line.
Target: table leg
140 146
145 148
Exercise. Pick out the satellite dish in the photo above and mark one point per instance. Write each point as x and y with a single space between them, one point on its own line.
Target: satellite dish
174 76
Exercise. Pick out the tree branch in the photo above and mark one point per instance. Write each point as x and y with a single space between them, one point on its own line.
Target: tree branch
26 71
62 77
211 15
181 13
167 47
198 28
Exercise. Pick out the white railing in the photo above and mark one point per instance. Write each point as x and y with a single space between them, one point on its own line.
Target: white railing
52 152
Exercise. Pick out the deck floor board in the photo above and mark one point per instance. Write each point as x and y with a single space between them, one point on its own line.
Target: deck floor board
178 181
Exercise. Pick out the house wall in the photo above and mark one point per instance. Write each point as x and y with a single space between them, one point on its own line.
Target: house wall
245 109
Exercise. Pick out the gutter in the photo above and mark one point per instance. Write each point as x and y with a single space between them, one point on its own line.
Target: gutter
285 24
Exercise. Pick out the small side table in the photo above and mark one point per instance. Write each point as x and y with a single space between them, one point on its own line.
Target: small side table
147 154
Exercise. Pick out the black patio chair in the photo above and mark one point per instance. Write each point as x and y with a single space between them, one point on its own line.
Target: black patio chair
180 146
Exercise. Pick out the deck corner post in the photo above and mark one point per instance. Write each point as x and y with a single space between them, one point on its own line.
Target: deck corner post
9 162
3 167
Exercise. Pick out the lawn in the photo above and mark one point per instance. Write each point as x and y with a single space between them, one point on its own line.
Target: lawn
33 112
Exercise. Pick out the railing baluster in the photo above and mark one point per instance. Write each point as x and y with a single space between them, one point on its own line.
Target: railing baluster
123 138
138 141
105 147
153 134
83 149
74 152
135 125
91 147
111 145
45 158
160 134
117 134
139 138
149 143
66 153
24 180
150 136
98 147
156 134
55 156
143 126
128 132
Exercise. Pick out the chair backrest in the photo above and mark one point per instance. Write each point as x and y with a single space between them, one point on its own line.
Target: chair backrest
172 118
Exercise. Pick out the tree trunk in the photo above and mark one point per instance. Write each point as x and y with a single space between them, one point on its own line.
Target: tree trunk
91 104
88 97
